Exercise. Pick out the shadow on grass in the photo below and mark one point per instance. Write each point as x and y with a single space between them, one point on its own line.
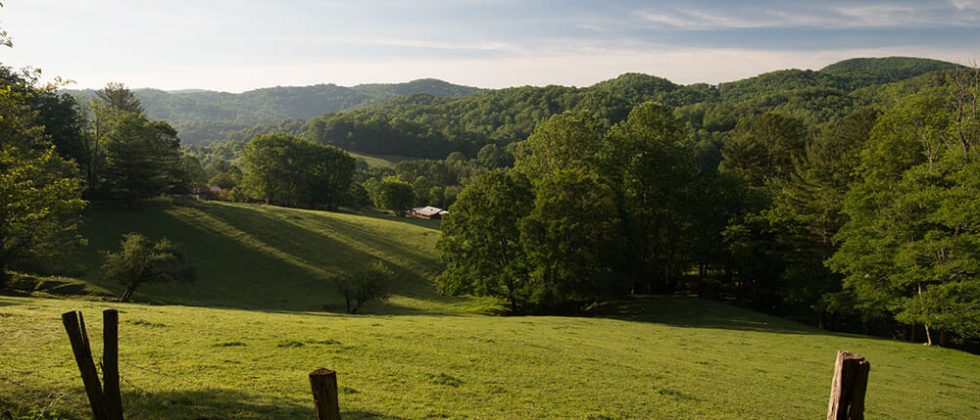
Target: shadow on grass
426 223
268 258
691 312
220 404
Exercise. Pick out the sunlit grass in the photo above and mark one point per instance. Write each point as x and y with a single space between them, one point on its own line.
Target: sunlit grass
379 161
265 312
266 257
677 358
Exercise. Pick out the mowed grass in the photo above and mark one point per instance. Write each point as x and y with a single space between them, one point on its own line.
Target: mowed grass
264 312
379 161
653 358
274 258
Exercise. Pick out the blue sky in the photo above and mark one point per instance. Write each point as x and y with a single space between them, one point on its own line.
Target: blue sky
239 45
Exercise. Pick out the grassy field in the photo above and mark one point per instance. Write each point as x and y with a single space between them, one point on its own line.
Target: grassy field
273 258
655 358
379 161
240 341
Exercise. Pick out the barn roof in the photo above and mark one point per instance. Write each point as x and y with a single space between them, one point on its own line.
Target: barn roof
427 211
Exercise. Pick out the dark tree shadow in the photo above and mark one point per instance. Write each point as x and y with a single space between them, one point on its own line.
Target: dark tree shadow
692 312
221 404
273 260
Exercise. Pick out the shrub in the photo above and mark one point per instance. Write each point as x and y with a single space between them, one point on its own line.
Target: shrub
365 285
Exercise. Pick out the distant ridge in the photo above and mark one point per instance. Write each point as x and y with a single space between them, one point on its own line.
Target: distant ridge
202 116
205 115
868 71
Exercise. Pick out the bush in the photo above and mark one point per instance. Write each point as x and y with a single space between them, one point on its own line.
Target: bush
364 285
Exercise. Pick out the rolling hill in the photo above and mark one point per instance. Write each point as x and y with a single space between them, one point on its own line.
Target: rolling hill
203 115
272 258
240 341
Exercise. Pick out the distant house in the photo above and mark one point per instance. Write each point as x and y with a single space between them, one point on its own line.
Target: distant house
427 212
214 189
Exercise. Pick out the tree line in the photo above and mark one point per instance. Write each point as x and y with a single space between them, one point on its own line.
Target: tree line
868 225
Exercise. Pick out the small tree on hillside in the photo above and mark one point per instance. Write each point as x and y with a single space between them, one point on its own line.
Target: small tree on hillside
140 261
364 285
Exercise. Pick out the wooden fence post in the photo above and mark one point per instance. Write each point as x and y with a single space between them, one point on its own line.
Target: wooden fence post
75 327
323 382
849 386
112 401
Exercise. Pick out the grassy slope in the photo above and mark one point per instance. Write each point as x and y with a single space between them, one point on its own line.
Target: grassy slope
684 358
272 258
379 161
252 330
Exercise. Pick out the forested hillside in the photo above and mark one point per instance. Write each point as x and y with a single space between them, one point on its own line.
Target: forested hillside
431 127
203 116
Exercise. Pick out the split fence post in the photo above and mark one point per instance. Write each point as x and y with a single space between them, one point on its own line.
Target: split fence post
323 382
75 327
849 387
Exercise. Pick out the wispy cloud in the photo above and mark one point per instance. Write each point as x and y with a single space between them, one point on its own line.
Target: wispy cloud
241 44
850 14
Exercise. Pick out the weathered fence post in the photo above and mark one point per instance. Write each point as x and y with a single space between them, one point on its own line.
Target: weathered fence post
323 382
75 327
112 401
105 401
849 386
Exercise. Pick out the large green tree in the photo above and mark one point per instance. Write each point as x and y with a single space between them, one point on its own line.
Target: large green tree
572 239
40 200
481 242
394 194
287 170
911 246
563 141
142 159
807 209
651 162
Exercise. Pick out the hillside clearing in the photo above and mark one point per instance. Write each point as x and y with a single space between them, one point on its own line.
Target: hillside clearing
274 258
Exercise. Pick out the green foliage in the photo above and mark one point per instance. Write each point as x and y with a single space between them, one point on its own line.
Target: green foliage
875 71
142 159
206 116
394 194
563 141
765 148
651 162
572 239
118 97
481 243
364 285
140 261
40 197
910 246
429 127
492 156
286 170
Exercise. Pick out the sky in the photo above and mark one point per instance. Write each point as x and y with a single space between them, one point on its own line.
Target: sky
237 45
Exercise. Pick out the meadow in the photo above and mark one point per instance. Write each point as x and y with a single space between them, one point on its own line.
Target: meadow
240 341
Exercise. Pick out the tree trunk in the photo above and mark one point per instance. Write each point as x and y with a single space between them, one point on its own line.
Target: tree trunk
4 276
128 293
347 299
928 336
